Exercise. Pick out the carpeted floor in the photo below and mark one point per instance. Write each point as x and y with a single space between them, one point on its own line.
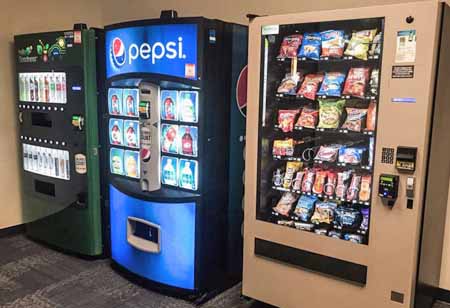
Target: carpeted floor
32 275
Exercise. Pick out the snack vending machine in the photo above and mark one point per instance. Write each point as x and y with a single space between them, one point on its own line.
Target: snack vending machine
168 118
57 115
341 143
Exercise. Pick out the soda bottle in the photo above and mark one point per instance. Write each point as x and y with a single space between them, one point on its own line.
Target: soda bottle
52 89
66 158
36 89
41 88
25 156
56 162
58 90
186 143
46 90
187 178
188 110
62 167
169 175
63 88
31 83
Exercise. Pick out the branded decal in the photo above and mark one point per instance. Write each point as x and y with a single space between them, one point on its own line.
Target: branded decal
45 51
160 49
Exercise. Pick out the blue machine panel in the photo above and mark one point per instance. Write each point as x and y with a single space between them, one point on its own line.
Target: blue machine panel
174 264
160 49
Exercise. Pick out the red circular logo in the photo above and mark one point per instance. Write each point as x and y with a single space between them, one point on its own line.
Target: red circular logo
241 91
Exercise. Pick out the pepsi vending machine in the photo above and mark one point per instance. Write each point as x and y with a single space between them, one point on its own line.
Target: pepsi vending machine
168 116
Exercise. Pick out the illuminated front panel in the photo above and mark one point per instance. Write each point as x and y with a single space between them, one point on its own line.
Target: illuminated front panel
49 87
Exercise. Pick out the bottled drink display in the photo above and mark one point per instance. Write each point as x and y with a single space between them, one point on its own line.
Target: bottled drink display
318 126
43 87
46 161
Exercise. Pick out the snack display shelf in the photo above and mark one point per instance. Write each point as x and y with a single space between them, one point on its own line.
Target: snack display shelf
324 196
329 59
323 163
330 131
301 97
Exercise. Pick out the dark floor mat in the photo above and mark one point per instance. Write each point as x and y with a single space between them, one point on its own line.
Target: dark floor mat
31 275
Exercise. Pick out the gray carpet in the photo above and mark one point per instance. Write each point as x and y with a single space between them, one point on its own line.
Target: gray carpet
32 275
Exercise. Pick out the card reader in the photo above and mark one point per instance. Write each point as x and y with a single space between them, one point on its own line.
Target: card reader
388 188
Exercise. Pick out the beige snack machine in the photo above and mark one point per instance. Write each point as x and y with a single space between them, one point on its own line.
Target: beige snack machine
348 148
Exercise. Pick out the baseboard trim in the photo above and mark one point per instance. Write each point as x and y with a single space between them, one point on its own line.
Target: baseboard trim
12 230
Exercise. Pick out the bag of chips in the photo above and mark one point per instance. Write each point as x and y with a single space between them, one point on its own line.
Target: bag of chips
356 82
332 84
286 119
308 118
374 81
364 227
324 213
291 168
297 182
375 49
289 84
354 238
319 182
364 193
285 204
342 183
371 116
355 119
347 218
308 180
359 43
351 155
353 189
330 186
333 42
289 46
328 153
305 207
311 46
283 147
310 86
330 113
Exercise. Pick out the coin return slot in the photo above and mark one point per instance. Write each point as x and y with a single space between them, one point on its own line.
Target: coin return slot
44 188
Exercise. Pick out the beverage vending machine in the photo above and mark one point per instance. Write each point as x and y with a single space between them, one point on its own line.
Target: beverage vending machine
168 119
57 115
347 149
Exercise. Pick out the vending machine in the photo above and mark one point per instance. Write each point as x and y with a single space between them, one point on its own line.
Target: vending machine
58 125
168 120
346 146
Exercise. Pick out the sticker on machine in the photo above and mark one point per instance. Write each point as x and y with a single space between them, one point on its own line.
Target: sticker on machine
80 163
406 46
403 71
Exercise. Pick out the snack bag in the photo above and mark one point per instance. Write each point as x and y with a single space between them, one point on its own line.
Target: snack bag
356 82
364 227
364 193
374 81
355 119
304 226
311 46
371 116
319 182
330 186
347 218
289 46
324 213
342 182
375 49
286 119
333 42
332 84
308 118
354 238
285 204
353 189
351 155
289 84
330 113
277 178
297 182
310 86
335 234
308 181
328 153
291 168
283 147
359 43
305 207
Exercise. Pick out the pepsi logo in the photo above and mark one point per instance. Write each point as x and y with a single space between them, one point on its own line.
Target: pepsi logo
118 52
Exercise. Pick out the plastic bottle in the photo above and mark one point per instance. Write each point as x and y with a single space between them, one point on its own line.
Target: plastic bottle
186 143
187 178
169 175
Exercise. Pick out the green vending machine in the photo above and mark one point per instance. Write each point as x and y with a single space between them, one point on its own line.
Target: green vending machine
58 128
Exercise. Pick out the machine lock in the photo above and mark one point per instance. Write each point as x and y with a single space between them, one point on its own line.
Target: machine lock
388 188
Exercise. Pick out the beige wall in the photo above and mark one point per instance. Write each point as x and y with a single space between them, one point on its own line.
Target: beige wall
24 17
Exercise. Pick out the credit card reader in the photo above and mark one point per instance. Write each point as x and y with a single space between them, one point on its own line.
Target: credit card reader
388 188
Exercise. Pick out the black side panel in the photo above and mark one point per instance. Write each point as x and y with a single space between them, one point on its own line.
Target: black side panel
345 270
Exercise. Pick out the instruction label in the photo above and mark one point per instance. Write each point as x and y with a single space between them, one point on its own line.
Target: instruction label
403 71
406 46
